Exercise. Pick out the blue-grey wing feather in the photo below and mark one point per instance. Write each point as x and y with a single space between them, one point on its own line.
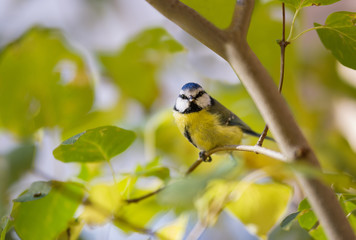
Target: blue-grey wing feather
228 118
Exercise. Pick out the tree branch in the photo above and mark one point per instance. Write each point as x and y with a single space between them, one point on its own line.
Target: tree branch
233 47
241 19
183 16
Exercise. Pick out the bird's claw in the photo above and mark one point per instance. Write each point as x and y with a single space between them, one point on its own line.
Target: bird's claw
204 157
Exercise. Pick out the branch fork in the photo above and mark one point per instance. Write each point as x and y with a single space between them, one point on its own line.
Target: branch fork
231 44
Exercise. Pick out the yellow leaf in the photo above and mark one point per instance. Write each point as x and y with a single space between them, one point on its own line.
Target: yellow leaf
104 200
215 198
174 230
260 206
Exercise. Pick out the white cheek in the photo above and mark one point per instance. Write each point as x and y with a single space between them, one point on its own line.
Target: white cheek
204 101
182 104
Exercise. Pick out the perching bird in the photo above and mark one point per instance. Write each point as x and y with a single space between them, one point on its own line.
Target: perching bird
205 122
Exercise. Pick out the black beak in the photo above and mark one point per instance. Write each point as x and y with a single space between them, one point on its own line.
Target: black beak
191 99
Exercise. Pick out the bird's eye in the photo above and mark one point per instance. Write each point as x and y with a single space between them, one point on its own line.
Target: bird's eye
182 96
201 93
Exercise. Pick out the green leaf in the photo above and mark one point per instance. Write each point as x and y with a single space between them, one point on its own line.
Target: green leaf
135 67
36 191
294 231
347 202
47 217
287 221
20 160
318 233
89 171
339 36
154 169
172 195
73 231
349 206
4 227
42 83
218 12
94 145
108 199
143 212
104 200
13 166
298 4
309 221
306 218
304 205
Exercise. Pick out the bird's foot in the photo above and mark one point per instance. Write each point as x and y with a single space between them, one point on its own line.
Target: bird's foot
204 157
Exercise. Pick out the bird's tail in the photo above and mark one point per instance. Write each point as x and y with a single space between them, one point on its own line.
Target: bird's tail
253 133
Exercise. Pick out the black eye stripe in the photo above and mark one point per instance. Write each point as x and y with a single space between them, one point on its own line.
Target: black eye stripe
201 93
182 96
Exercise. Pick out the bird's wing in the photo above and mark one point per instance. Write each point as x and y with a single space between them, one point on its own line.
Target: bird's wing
228 118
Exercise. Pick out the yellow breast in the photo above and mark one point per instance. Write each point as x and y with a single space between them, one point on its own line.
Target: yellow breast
205 130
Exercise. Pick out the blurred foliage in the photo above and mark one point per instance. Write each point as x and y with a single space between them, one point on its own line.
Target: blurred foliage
14 165
174 230
307 219
135 67
42 83
154 169
47 217
46 84
260 206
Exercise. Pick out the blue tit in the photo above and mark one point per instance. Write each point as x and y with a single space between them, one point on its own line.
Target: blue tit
205 122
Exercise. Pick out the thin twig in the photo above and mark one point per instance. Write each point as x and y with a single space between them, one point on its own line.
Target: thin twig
143 197
138 199
207 154
247 148
194 166
283 44
119 219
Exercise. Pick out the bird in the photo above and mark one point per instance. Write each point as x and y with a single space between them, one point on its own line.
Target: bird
205 122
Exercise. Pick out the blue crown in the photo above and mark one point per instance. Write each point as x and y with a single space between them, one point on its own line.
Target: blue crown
191 85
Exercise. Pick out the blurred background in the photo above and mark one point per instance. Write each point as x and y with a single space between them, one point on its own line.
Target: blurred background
68 66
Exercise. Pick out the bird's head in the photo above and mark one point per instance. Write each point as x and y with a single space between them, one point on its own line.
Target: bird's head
192 98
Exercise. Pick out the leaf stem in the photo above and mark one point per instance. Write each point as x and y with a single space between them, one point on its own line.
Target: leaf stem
293 23
305 31
112 171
